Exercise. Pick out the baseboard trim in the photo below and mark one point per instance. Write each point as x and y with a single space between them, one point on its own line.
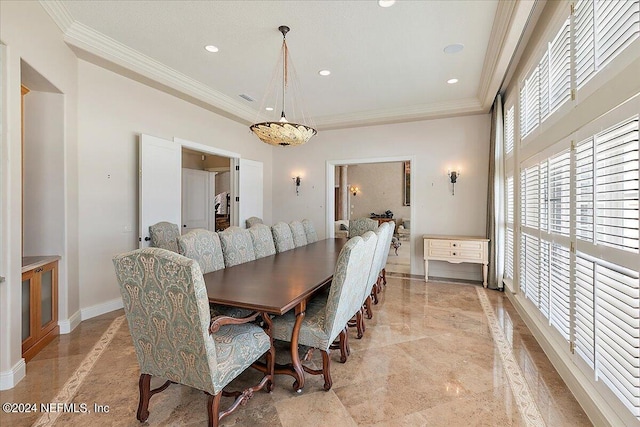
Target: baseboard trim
99 309
8 379
68 325
601 409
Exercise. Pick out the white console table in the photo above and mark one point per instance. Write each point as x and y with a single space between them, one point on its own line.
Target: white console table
456 250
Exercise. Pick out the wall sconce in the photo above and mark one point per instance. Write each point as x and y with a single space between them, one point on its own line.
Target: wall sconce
453 176
354 190
297 180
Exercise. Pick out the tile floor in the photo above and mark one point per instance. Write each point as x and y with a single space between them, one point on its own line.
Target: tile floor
428 358
399 262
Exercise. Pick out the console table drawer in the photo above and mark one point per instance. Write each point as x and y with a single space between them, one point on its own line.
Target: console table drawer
456 244
454 254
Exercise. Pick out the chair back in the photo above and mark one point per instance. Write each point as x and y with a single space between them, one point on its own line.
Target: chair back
349 280
282 237
262 240
359 226
309 231
204 247
381 247
237 247
297 231
385 254
253 220
164 235
166 304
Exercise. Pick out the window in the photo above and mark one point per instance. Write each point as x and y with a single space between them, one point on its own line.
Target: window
508 127
509 238
602 30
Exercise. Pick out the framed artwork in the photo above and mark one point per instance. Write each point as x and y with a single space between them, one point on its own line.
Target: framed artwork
406 201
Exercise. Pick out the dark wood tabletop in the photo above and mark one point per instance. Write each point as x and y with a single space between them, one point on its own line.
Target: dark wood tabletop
277 283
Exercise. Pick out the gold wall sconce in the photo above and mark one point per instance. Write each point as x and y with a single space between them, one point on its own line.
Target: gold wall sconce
453 176
354 190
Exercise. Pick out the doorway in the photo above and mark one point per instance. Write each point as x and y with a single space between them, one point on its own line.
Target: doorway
382 193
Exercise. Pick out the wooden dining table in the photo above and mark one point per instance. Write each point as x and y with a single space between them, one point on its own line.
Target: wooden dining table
276 284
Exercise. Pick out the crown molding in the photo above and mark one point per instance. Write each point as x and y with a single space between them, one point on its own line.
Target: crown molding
510 22
404 114
58 12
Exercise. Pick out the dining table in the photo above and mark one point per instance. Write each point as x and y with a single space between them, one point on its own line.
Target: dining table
275 284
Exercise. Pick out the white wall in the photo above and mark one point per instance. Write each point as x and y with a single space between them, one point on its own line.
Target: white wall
435 144
381 188
30 35
113 111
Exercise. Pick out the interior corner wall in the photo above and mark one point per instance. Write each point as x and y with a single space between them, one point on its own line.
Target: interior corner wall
31 36
437 145
113 111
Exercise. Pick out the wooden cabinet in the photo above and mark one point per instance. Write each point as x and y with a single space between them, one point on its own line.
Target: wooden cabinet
456 250
39 303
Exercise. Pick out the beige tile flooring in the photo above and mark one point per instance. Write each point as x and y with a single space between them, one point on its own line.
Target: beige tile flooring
400 262
428 358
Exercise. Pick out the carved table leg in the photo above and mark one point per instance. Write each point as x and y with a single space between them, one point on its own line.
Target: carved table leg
298 384
271 356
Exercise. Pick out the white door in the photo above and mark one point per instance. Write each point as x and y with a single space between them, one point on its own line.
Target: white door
249 190
196 194
159 184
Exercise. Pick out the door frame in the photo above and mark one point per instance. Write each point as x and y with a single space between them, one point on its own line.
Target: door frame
331 182
234 160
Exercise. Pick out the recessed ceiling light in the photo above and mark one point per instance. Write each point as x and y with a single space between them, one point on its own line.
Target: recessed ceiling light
452 81
454 48
211 48
269 108
324 72
386 3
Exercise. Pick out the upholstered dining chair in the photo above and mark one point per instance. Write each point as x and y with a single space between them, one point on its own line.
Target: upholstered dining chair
327 315
282 237
164 235
382 247
203 246
297 231
383 263
253 220
262 240
237 246
167 309
359 226
310 231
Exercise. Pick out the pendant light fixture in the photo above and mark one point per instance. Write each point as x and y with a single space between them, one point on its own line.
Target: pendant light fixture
283 132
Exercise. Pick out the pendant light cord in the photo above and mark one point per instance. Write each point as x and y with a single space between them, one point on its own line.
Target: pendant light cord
285 56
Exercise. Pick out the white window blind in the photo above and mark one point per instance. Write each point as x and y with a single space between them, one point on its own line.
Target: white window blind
523 263
509 255
617 341
617 191
559 78
530 197
532 268
509 238
584 190
617 24
543 195
510 204
602 29
544 279
530 104
583 322
509 130
559 310
560 193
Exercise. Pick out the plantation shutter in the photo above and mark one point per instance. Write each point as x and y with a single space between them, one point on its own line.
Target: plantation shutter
509 129
585 51
559 293
523 263
530 103
559 69
617 191
509 255
583 325
510 219
617 341
531 197
584 190
544 278
531 268
560 193
617 24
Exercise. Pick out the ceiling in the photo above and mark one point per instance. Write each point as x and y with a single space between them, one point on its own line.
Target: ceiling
387 64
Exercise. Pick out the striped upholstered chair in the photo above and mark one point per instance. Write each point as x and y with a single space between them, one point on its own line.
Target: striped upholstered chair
166 304
282 237
359 226
164 235
262 240
327 315
297 231
310 231
384 233
237 247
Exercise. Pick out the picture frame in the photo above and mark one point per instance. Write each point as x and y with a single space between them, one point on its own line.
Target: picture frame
406 200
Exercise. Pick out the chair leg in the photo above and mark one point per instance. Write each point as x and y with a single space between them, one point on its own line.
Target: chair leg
374 294
384 276
360 324
326 370
213 409
367 305
344 346
145 394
